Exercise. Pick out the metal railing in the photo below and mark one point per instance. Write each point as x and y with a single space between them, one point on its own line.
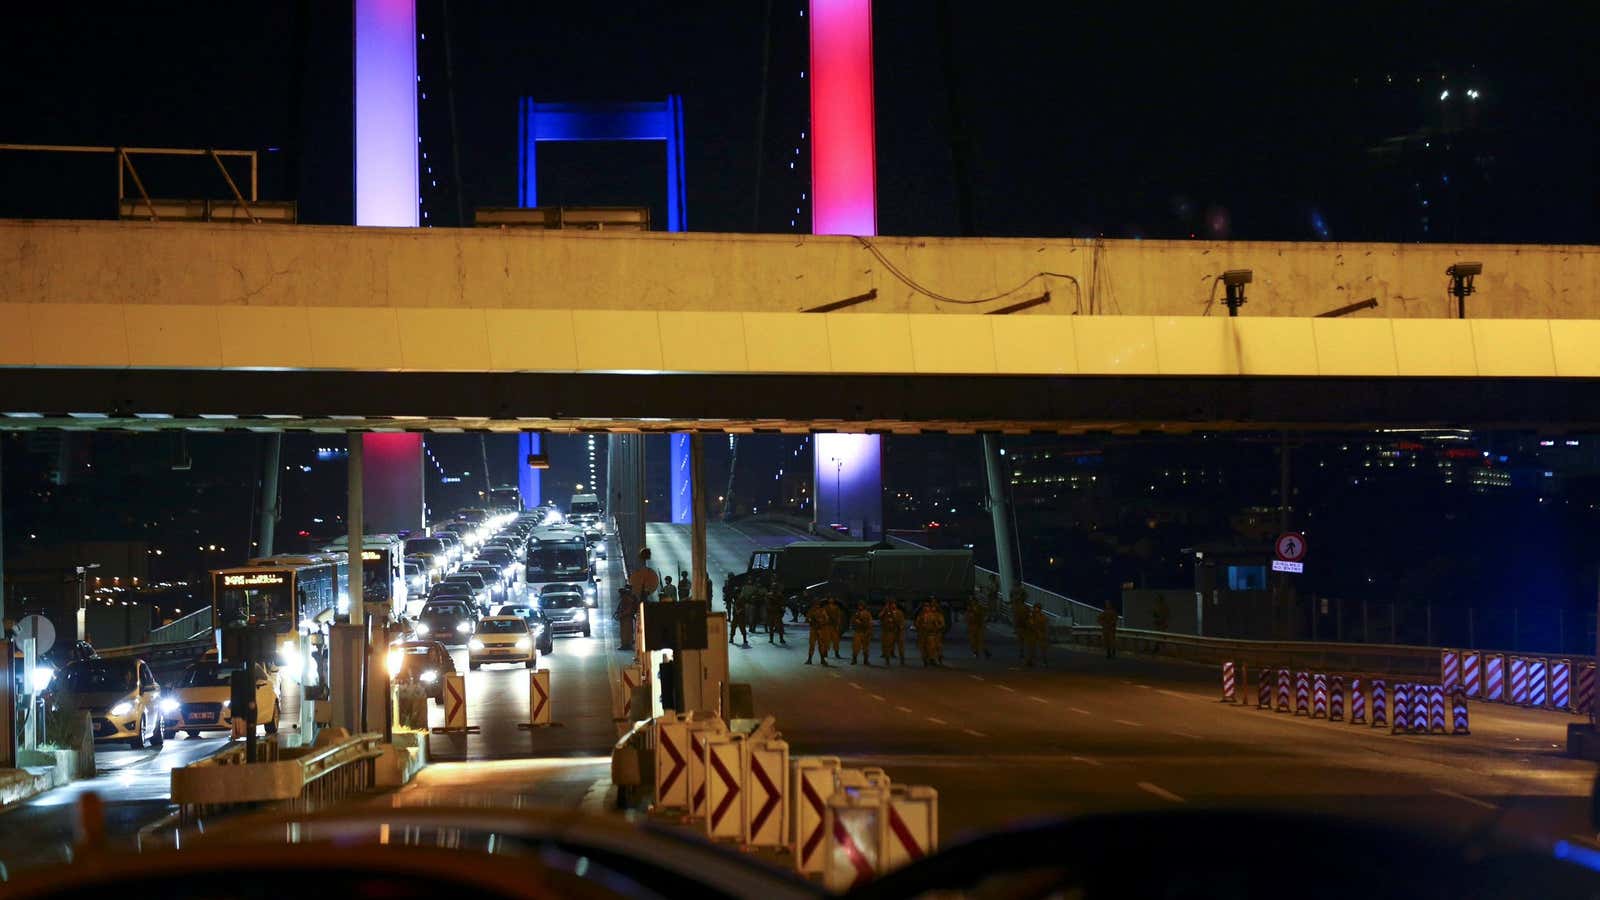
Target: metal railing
1384 659
306 782
162 654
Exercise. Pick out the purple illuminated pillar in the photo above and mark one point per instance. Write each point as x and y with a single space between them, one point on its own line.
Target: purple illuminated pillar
386 113
391 483
847 467
528 482
848 475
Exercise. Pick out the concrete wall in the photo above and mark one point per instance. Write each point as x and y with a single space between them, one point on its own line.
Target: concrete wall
242 265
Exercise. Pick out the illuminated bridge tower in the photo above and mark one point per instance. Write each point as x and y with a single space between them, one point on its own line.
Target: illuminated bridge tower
387 194
847 468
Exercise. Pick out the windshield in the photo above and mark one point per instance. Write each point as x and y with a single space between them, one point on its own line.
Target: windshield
444 609
90 676
509 626
561 601
430 546
556 560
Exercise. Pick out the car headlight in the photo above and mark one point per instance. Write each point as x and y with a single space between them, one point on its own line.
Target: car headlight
464 627
588 589
121 709
422 628
289 655
583 614
169 705
474 644
42 676
524 644
428 677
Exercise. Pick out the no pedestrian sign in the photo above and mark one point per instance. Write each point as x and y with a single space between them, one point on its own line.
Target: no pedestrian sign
1291 547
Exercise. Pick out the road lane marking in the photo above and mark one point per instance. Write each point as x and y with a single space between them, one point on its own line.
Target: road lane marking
1037 699
877 696
1159 791
835 674
976 734
1126 722
1004 688
1081 712
1175 694
976 677
856 686
1087 760
1147 687
1187 735
904 709
1473 800
937 721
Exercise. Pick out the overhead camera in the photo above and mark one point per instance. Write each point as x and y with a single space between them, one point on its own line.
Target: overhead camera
1234 281
1461 276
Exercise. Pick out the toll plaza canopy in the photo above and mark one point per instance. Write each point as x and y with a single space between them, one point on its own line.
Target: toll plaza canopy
159 325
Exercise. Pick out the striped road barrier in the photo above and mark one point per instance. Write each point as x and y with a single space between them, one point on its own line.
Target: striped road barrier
1336 698
1472 673
1494 677
1380 703
1449 668
1319 696
1402 708
1358 702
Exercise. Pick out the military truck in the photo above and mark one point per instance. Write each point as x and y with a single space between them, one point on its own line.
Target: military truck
910 576
799 565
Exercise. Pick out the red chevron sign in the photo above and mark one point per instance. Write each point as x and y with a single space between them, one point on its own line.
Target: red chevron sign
851 849
760 775
677 762
901 832
815 838
698 748
732 785
453 703
543 697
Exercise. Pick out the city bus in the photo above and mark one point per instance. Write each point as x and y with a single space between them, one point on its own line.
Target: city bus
286 593
383 574
560 559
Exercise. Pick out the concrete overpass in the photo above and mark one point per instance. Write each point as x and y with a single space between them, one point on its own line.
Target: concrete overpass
148 326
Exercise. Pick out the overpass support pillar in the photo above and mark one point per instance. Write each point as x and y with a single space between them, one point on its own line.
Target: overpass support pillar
1000 512
625 491
697 544
269 493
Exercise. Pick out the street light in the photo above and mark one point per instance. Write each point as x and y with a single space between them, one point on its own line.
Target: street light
838 494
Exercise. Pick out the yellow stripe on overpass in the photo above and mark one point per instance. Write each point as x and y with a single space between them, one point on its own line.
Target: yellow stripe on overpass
389 339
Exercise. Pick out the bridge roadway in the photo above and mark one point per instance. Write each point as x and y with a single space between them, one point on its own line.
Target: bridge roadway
999 741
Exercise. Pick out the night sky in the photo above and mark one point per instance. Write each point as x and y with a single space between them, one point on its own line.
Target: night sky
1117 120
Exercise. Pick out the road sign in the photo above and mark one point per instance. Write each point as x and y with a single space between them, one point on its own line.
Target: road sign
1279 565
1291 546
40 629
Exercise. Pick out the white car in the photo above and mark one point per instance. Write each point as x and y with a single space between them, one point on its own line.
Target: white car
202 700
502 639
121 696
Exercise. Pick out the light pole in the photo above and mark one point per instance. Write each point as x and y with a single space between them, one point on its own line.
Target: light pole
838 497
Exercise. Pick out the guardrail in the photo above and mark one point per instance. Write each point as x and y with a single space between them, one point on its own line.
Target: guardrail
307 779
162 655
1378 659
187 628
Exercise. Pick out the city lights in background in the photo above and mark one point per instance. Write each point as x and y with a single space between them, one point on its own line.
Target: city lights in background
843 155
387 191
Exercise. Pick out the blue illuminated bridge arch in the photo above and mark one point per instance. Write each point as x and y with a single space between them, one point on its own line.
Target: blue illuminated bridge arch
649 121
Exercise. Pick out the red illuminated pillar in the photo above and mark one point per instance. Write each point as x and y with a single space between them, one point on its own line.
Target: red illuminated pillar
844 198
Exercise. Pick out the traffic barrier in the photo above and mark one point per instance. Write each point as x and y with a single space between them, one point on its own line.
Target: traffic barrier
725 766
631 677
1519 681
1472 673
766 795
539 698
1264 689
1419 709
1537 681
1227 683
1402 708
1336 698
1561 684
855 830
1358 702
812 786
1380 703
912 829
874 777
1319 696
1458 703
698 730
1494 677
1585 689
1283 690
672 762
1436 709
1302 693
455 705
1449 669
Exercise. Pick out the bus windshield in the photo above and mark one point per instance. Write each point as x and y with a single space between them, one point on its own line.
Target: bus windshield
267 604
553 561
